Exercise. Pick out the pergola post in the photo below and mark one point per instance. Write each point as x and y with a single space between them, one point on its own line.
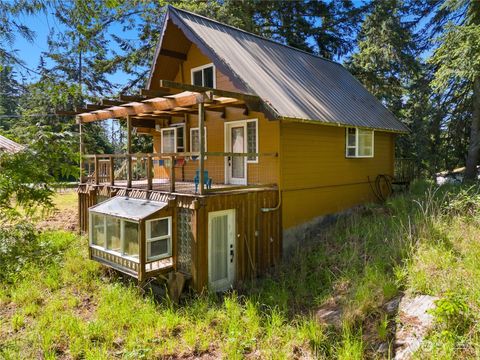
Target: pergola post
129 152
201 160
82 152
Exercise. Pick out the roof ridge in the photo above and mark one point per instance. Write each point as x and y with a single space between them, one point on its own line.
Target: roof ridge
255 35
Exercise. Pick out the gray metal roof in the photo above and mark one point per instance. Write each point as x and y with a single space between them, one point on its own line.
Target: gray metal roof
294 83
128 208
7 145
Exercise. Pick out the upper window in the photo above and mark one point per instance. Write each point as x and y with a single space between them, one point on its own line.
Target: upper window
359 143
204 76
159 238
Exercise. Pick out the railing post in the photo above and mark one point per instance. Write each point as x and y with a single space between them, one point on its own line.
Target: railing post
96 169
112 171
149 171
172 174
201 160
129 151
82 152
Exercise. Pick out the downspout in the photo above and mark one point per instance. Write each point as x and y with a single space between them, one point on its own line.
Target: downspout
277 207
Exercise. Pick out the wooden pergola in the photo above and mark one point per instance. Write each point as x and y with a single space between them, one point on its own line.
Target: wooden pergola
171 99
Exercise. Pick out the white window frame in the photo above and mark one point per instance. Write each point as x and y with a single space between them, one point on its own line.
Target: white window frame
191 141
122 236
174 136
357 147
148 239
198 68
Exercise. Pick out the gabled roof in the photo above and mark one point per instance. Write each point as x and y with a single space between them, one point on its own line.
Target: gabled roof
294 83
7 145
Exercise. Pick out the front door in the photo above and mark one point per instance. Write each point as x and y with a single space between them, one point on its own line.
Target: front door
221 249
236 166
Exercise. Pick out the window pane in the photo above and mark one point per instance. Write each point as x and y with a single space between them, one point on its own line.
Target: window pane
197 78
208 77
130 234
365 143
113 234
180 138
351 137
195 140
168 139
252 139
98 232
351 152
158 228
158 248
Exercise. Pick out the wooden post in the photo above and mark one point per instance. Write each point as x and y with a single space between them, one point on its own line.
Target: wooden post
96 169
172 174
112 172
149 171
201 160
129 151
82 152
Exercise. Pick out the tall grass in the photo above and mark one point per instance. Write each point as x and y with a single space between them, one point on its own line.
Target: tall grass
55 303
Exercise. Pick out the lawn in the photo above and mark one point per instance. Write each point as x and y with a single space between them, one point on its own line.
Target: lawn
55 303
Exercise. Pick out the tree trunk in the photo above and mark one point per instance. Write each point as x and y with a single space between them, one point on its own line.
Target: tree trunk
471 172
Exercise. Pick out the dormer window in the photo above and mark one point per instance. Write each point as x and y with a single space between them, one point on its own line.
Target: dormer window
204 76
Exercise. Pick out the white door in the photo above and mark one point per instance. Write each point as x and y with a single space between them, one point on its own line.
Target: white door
236 166
221 249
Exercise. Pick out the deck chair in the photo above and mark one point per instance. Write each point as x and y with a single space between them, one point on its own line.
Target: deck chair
207 181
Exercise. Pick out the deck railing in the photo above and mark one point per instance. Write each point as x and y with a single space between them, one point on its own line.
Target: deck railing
179 172
404 170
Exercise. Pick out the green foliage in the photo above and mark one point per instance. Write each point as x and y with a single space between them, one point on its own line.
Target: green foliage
451 312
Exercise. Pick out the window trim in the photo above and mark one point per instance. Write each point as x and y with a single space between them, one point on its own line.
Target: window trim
191 142
148 229
174 137
201 67
122 235
356 156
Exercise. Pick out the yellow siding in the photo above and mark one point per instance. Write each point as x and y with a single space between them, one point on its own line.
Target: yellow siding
196 58
318 179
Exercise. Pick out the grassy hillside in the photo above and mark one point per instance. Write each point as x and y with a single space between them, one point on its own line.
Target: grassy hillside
54 303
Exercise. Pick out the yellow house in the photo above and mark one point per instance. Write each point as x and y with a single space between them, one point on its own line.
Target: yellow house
288 137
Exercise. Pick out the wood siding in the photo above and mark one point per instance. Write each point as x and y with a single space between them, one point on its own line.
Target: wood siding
316 177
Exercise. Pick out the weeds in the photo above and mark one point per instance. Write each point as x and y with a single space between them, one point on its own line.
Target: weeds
56 303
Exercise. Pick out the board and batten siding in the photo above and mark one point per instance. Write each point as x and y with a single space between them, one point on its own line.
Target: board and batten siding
316 177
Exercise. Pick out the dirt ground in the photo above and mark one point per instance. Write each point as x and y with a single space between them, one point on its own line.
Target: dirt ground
65 215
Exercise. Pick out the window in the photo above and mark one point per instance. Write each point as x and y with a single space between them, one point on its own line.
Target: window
204 76
159 238
252 138
173 139
359 142
195 141
114 234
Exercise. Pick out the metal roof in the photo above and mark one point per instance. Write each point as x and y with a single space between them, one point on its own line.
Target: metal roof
294 83
7 145
128 208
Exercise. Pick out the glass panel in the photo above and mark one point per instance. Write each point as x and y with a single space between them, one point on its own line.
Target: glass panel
238 169
158 248
365 142
195 140
252 139
159 228
113 234
197 78
208 77
168 139
180 138
130 234
219 251
98 232
351 152
351 137
185 235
